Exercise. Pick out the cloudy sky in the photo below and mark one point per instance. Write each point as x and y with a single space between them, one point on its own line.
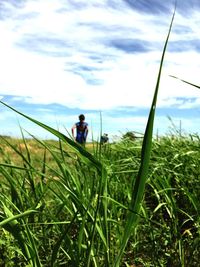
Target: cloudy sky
60 58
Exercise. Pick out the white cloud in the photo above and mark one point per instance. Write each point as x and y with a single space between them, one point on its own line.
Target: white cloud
127 79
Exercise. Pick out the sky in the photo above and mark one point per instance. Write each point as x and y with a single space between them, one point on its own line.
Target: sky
61 58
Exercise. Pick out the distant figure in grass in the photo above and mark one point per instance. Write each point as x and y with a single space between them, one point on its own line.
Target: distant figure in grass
104 139
81 130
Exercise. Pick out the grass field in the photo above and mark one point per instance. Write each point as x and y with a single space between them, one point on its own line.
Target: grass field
58 213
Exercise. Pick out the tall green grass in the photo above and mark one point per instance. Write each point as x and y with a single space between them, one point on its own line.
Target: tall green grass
59 212
139 184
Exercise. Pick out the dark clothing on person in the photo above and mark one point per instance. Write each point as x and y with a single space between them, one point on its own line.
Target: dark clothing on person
81 132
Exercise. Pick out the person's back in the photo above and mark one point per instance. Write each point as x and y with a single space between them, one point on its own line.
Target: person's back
81 130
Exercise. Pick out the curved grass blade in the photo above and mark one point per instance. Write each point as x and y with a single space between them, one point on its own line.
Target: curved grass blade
86 155
22 235
139 185
15 217
197 86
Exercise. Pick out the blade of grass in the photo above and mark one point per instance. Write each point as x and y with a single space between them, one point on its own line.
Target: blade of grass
86 155
197 86
12 225
139 185
15 217
25 144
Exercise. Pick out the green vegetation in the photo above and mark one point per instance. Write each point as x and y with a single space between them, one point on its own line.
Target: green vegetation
56 211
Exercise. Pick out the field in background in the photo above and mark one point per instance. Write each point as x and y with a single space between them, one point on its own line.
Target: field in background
68 217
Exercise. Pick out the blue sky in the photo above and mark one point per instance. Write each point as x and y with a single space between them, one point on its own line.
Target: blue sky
60 58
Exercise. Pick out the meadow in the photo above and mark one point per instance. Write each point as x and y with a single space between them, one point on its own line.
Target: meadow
56 210
132 203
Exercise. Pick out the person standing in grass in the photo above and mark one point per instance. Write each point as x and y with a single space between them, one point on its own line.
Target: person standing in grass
104 139
81 130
